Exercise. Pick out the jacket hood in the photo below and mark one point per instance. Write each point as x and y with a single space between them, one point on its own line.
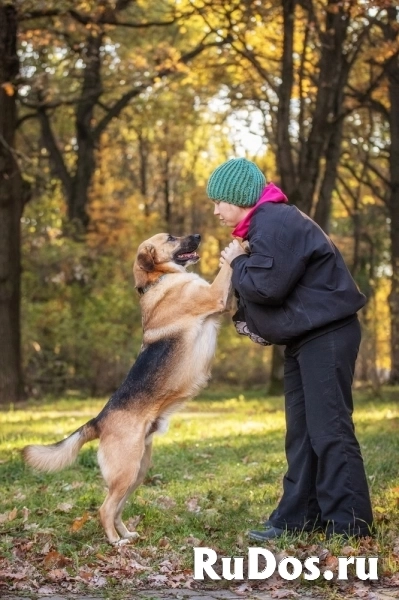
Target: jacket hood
271 193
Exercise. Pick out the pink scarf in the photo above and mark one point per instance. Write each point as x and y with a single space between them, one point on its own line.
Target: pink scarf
271 193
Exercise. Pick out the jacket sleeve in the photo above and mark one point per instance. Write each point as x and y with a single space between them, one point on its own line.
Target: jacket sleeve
269 273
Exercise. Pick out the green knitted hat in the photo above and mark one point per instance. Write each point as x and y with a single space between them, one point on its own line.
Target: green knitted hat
237 181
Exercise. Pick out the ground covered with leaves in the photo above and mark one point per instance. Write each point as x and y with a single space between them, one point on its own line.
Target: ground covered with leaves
216 474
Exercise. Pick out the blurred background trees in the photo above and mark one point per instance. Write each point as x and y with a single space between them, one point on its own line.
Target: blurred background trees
113 115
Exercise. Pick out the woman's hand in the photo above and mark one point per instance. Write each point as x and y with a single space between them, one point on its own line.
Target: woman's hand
231 252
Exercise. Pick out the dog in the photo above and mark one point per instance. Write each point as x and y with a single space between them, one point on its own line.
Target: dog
180 317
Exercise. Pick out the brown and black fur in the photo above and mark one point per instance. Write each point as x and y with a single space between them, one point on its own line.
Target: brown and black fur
180 314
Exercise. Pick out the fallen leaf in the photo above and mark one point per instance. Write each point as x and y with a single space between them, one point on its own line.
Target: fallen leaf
281 555
192 541
156 580
165 502
79 522
55 559
72 486
192 505
13 514
166 566
136 566
11 575
360 590
284 593
348 551
57 574
46 548
46 590
64 507
323 554
242 589
331 563
20 496
132 522
392 581
99 582
29 526
85 575
189 583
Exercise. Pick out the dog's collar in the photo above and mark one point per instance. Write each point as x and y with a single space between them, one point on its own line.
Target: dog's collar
143 290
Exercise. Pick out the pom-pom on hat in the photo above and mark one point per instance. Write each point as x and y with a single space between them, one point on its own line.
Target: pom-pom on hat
237 181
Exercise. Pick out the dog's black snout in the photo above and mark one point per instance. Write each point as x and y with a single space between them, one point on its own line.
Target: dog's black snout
197 237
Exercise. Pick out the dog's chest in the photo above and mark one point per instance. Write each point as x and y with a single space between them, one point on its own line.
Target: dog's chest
204 342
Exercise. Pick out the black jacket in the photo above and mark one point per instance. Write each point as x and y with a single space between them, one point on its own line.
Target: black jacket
295 281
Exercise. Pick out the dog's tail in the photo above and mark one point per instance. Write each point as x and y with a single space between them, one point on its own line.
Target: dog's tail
55 457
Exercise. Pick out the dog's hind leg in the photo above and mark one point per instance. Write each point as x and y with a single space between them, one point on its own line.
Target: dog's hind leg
144 466
120 461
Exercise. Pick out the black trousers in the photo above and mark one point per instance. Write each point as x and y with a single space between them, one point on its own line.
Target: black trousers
325 484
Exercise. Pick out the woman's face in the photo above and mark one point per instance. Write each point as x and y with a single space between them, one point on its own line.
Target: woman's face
230 214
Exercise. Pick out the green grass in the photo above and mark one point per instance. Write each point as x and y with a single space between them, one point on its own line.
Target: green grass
215 474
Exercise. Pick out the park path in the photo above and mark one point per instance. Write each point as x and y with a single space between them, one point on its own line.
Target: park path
180 594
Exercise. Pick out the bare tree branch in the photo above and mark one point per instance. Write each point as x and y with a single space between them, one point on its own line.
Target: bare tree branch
250 56
365 97
32 115
124 100
341 197
56 158
375 189
103 19
373 168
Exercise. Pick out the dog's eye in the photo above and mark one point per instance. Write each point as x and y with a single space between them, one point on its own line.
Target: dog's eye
171 238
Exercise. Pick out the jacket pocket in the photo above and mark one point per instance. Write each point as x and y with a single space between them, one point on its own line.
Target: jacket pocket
259 261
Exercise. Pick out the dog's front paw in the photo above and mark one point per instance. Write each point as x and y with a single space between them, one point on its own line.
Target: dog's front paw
131 535
121 542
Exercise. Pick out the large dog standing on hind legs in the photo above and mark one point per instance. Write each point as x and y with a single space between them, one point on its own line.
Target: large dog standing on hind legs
180 314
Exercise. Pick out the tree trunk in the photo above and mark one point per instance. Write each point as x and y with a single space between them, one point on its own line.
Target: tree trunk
332 79
86 140
76 185
393 79
300 180
166 194
143 170
284 154
333 154
11 205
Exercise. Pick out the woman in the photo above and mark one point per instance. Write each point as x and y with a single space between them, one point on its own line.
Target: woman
293 288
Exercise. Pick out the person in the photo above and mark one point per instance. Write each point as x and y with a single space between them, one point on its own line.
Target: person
294 289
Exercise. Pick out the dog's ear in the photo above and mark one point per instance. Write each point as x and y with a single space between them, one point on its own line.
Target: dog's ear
145 259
